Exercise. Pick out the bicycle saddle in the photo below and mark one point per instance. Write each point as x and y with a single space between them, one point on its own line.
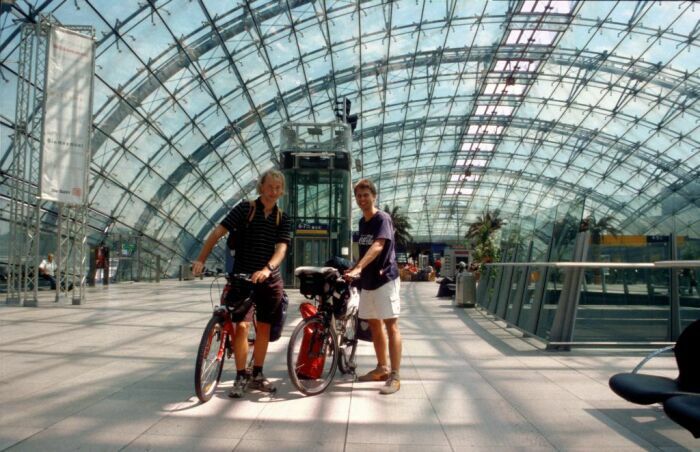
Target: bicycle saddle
320 271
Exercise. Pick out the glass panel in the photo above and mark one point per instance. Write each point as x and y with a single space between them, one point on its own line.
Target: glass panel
500 110
546 6
516 65
624 305
531 37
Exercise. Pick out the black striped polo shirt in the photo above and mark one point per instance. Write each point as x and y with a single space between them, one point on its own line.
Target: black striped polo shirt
255 242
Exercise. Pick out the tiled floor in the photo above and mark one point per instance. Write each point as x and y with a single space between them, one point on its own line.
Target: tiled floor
116 373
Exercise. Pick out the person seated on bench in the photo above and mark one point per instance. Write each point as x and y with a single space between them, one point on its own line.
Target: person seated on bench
47 270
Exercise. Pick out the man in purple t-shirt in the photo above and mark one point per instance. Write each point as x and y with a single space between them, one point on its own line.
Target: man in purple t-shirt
379 280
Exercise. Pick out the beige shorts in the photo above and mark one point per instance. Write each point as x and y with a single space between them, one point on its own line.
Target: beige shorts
381 303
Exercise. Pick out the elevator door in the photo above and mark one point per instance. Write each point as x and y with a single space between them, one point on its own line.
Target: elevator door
310 251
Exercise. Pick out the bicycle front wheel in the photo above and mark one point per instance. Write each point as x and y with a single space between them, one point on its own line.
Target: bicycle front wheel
210 359
312 356
347 344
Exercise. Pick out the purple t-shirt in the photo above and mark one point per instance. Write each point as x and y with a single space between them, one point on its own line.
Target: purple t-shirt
383 268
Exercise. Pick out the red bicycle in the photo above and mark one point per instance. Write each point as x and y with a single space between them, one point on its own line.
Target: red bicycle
325 339
217 344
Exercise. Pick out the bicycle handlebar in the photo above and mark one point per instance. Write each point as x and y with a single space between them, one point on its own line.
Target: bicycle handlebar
241 276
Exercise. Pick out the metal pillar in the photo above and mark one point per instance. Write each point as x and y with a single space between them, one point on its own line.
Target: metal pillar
565 317
71 253
674 290
80 255
23 249
24 172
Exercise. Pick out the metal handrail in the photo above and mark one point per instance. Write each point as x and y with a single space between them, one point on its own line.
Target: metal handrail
651 265
652 355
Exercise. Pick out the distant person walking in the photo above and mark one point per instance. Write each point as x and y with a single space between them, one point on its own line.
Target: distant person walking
102 263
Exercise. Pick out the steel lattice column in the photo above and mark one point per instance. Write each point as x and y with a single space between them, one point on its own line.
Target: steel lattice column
24 205
25 173
71 252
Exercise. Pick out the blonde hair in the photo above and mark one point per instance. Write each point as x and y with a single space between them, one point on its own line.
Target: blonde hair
275 174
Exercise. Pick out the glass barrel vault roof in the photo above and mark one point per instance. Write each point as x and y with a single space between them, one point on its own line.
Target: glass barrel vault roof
463 105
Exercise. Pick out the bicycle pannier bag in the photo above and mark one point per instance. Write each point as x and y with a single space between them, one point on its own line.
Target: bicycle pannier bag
278 325
341 296
237 306
311 359
362 331
313 284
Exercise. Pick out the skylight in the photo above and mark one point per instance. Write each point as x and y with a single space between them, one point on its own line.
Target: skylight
548 6
504 88
464 177
471 146
472 162
516 66
499 110
459 191
533 37
485 130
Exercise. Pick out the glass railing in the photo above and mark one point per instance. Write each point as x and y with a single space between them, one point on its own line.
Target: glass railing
588 303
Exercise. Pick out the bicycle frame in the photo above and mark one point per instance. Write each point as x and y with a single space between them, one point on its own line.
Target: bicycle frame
324 313
229 331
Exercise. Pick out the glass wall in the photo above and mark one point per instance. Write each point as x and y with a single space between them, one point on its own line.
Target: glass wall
614 304
619 304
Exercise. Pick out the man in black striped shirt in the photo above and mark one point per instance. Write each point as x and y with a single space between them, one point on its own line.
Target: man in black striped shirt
263 234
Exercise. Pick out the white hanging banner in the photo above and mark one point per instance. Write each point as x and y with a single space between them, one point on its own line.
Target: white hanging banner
67 116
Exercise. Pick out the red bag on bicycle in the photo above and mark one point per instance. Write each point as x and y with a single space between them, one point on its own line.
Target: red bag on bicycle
310 361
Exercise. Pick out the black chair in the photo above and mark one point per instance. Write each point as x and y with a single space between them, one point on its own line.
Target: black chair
446 288
685 411
645 389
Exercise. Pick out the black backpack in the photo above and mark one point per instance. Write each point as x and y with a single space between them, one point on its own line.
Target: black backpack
232 236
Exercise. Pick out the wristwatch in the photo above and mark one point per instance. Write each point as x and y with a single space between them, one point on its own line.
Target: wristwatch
271 267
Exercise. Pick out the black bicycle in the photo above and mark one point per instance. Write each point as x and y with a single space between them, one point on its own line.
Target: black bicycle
325 339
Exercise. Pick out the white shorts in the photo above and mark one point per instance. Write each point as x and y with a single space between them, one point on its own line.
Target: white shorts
381 303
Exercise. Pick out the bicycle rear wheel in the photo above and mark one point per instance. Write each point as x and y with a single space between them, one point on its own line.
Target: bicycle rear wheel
210 359
312 356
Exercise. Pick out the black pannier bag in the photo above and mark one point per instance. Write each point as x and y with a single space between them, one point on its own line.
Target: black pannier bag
314 283
237 304
362 331
341 296
278 324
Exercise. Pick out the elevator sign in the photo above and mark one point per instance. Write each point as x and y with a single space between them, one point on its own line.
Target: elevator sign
312 229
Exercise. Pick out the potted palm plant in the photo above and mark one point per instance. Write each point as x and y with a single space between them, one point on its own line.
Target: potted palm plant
401 226
403 238
480 234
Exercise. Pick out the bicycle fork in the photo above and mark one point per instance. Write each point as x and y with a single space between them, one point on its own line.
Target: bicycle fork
227 330
319 343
